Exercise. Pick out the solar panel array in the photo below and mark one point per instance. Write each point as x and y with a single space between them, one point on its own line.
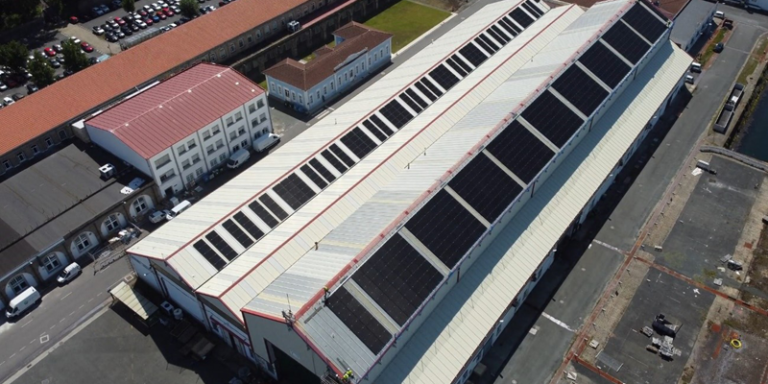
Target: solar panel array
352 147
456 216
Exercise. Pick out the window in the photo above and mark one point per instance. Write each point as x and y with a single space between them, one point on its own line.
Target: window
266 29
195 159
301 99
185 164
219 143
258 33
181 149
241 131
287 94
7 164
140 205
251 108
167 176
48 142
214 162
209 149
324 89
82 242
260 104
21 157
191 144
310 99
241 43
222 157
369 60
213 56
62 135
161 162
112 222
51 262
254 123
250 39
215 130
222 52
35 150
232 47
244 143
232 136
262 117
256 135
293 95
238 116
206 135
199 171
318 94
236 148
190 178
230 121
18 284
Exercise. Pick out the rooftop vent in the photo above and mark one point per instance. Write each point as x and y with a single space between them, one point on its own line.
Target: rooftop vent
107 171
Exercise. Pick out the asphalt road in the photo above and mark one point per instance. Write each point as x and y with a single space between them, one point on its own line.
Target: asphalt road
525 358
61 310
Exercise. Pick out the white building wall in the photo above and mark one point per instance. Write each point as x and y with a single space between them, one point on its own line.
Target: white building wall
236 133
214 147
113 145
190 159
158 170
259 121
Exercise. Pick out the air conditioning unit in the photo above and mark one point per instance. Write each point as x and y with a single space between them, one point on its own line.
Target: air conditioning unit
294 26
107 171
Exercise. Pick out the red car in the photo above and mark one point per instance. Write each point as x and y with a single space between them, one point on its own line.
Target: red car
162 16
119 21
142 13
86 47
168 12
149 21
74 20
50 52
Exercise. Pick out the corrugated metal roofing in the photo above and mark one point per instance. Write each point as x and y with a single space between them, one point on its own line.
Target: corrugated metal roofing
160 117
448 338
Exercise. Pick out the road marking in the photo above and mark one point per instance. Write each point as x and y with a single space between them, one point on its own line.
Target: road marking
33 341
25 324
558 322
52 327
90 299
11 357
22 348
71 314
2 362
61 321
65 296
81 307
100 293
611 247
44 339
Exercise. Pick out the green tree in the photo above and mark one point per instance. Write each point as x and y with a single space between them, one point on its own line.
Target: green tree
41 70
74 58
56 7
129 5
188 8
14 55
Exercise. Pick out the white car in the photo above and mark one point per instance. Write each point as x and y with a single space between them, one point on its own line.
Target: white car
148 8
157 216
141 24
3 87
156 6
172 25
7 101
75 39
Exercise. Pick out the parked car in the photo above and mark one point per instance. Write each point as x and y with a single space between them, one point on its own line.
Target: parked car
74 20
7 101
149 21
23 302
111 37
157 216
162 16
97 30
94 60
718 48
119 21
69 273
156 18
3 87
134 28
49 52
156 6
86 47
168 12
31 88
68 72
119 34
54 63
75 39
17 96
141 24
58 48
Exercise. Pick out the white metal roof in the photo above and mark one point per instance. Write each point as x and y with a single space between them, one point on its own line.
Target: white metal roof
448 338
172 242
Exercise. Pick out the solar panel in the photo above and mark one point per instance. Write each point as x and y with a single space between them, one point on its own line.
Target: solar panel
463 64
397 278
626 42
358 320
644 22
380 124
411 103
313 176
521 17
482 43
528 7
342 155
456 67
262 213
248 225
536 10
485 186
432 87
319 167
396 114
418 99
520 151
273 207
221 245
294 191
421 87
446 228
209 254
494 45
375 131
474 55
498 34
580 90
334 161
237 233
552 118
604 64
444 77
358 142
509 25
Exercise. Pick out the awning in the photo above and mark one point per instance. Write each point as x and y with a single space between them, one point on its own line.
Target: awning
133 300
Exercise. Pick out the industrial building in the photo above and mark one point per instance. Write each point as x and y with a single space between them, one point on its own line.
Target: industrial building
184 127
392 241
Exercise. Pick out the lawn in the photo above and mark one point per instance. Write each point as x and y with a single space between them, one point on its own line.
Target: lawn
753 60
709 52
406 21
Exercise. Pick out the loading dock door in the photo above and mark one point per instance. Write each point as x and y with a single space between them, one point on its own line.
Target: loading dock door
183 299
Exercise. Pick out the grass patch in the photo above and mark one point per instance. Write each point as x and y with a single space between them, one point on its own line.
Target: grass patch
406 21
752 61
710 48
263 84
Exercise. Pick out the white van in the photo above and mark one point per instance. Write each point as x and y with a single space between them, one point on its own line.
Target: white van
69 273
22 302
265 142
696 67
238 158
175 211
719 15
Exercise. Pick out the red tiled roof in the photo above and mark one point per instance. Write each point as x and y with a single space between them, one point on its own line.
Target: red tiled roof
306 76
73 96
351 30
174 109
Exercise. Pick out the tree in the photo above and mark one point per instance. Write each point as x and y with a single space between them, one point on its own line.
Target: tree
74 58
188 8
56 7
129 5
14 55
41 70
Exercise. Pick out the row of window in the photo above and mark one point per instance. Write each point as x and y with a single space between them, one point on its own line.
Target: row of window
22 157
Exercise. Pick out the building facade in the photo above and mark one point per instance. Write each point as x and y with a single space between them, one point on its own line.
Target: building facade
359 51
175 133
